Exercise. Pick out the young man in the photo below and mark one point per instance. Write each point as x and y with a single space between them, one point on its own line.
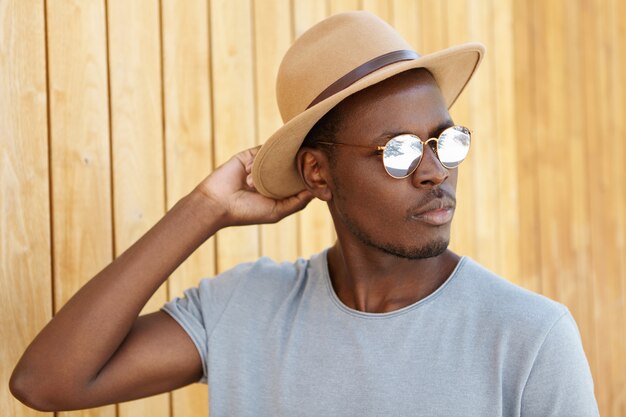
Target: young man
388 321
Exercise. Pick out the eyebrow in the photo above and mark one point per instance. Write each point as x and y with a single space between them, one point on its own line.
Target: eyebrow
391 133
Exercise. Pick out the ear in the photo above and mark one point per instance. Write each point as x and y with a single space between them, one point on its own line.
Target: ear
313 168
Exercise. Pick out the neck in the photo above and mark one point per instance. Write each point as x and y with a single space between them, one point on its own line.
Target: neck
370 280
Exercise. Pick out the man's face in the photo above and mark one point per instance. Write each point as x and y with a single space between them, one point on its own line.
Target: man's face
368 205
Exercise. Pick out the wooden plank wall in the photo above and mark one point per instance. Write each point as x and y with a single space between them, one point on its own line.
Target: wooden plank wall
111 111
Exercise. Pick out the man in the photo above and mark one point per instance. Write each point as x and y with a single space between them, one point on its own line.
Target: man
388 321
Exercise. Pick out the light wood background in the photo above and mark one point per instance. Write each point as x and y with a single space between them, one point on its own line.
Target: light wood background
110 111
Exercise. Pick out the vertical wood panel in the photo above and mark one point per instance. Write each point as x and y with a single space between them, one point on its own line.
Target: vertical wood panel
433 16
79 120
592 102
272 37
381 8
484 150
614 156
189 139
338 6
524 28
607 277
549 123
137 142
618 40
407 20
577 288
234 112
504 105
25 286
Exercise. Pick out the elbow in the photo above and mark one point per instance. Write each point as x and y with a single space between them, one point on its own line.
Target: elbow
29 390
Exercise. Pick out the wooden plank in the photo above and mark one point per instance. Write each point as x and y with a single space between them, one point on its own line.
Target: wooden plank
504 102
316 227
433 18
272 37
606 217
540 122
605 259
189 141
549 123
79 136
525 89
307 13
381 8
233 111
407 20
463 227
617 12
485 151
137 142
577 289
25 271
338 6
614 14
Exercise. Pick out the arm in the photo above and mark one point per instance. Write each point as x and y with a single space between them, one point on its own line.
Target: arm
560 382
97 350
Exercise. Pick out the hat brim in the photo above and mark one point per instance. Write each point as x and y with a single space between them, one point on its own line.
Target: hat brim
274 171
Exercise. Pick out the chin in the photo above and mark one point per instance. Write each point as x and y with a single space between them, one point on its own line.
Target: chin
430 250
434 245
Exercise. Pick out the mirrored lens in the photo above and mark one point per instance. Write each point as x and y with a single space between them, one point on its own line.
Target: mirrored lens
453 146
401 155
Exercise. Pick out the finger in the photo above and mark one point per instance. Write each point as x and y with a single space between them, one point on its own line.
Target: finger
247 157
255 150
250 182
295 202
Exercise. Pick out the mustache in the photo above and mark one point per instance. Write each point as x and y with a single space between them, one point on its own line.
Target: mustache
435 197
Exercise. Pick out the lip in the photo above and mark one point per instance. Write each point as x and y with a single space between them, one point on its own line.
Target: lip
437 212
436 217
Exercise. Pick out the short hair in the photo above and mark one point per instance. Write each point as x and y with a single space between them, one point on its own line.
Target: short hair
325 130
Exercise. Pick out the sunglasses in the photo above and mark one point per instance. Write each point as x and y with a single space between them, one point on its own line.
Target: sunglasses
403 153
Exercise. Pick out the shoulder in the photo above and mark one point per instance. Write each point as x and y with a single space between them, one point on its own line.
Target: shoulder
263 278
505 302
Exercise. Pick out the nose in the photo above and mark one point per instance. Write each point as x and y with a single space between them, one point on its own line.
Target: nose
430 172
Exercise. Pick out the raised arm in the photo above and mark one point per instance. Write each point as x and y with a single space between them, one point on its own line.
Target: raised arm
97 350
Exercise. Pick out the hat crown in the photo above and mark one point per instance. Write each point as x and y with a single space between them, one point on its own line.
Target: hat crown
328 51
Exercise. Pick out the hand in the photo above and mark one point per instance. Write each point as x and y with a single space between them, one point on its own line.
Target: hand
231 189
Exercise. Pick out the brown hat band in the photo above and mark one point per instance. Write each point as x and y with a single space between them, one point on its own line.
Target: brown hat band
363 70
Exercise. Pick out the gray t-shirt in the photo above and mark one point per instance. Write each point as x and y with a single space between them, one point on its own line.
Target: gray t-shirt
275 340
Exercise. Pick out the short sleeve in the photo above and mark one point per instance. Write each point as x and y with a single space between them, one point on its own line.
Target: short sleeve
201 308
560 382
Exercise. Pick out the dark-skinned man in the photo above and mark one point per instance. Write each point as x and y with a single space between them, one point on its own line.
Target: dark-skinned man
387 321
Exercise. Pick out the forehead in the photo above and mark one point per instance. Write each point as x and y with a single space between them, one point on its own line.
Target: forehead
410 102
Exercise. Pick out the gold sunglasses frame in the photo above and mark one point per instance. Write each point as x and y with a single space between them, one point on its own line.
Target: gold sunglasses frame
381 149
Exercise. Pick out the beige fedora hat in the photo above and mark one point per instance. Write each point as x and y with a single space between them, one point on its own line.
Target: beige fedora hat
337 57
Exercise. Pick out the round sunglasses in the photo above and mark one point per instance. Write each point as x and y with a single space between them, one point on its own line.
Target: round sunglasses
403 153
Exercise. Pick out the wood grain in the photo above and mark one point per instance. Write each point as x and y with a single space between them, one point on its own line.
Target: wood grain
485 147
381 8
25 264
407 20
338 6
